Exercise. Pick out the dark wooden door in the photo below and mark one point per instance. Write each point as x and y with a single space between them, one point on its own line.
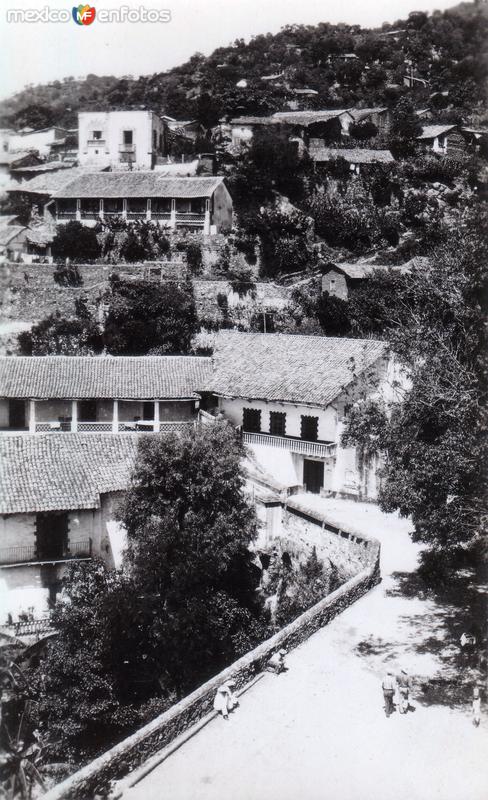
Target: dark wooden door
52 535
313 475
16 414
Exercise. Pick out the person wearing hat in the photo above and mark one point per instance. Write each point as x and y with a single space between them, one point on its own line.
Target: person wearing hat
389 687
225 700
404 685
276 663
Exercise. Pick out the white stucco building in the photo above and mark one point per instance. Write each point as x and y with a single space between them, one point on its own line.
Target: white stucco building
291 395
124 139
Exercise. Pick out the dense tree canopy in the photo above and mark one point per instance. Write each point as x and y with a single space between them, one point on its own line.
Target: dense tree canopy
435 440
145 316
131 642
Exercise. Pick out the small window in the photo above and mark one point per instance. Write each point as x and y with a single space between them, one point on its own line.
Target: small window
128 137
251 420
309 428
97 135
277 423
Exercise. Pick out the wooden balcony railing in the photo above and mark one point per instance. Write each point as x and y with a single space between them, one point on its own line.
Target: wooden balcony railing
31 627
24 554
306 448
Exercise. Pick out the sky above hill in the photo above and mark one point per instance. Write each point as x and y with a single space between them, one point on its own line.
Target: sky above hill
39 52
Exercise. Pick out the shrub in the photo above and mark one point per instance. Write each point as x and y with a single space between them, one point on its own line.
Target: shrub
194 257
76 242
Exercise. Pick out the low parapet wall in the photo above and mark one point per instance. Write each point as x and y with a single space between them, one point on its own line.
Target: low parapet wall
129 754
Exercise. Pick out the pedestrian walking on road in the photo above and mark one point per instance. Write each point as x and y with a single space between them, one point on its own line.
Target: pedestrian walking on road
476 707
389 688
404 684
225 700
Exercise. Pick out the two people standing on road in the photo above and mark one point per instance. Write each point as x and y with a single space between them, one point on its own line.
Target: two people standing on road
396 692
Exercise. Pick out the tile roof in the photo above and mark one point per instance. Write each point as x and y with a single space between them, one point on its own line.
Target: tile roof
359 114
9 232
50 182
431 131
310 370
362 269
12 158
253 121
357 155
122 377
306 118
38 169
137 184
63 471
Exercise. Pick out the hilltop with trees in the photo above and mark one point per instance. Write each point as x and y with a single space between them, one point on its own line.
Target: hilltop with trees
446 49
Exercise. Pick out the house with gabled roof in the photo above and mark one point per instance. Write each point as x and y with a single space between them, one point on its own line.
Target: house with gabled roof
380 116
196 203
99 394
444 140
58 495
358 158
290 395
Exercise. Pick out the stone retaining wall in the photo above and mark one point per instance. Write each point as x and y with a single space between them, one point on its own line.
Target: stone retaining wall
129 754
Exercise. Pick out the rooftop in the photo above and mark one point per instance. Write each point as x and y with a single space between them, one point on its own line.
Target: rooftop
356 155
137 184
431 131
110 377
50 182
359 114
9 232
306 118
311 370
61 472
253 121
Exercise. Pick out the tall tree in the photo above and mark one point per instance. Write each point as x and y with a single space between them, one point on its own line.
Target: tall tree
435 440
189 528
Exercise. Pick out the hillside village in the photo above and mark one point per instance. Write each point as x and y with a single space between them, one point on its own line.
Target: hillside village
233 293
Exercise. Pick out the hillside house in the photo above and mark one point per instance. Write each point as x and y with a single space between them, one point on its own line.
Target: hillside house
328 125
124 139
202 204
340 279
379 116
39 140
289 395
359 159
57 499
242 129
104 394
12 161
12 241
445 140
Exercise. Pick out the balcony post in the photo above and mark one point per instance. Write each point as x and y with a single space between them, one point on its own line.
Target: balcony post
148 210
172 221
115 417
156 416
78 209
124 208
32 416
101 208
206 224
74 416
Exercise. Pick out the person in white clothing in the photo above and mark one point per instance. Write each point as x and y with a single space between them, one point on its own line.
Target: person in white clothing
225 700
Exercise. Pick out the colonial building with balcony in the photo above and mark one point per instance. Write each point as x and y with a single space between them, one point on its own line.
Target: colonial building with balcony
104 394
290 396
124 139
200 204
57 499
